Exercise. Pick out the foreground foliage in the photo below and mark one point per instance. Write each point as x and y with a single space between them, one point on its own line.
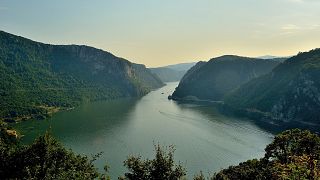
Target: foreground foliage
161 167
294 154
46 158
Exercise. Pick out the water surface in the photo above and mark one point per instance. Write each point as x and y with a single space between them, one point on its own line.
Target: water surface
204 139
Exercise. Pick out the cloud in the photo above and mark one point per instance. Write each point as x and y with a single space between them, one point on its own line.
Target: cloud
290 27
315 26
263 30
293 29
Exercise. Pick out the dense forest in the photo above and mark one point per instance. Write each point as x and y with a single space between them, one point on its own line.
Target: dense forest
290 93
293 154
283 93
37 79
213 79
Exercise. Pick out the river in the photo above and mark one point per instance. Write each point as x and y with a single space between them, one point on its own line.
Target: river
205 140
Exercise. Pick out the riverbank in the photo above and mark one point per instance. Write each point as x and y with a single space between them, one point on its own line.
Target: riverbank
39 113
262 119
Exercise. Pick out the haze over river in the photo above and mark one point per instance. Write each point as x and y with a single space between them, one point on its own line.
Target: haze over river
204 139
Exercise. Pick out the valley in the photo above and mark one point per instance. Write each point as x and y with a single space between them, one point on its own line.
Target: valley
71 111
130 126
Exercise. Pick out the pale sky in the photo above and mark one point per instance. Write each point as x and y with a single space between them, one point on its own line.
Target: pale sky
161 32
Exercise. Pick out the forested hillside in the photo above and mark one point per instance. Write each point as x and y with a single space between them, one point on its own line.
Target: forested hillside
290 93
214 79
37 79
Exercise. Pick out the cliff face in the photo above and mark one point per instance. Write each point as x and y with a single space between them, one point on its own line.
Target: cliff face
102 67
214 79
290 93
35 75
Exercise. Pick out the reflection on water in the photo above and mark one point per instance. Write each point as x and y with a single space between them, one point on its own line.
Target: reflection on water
205 140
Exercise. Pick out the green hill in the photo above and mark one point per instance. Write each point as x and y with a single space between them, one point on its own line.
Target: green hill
37 79
290 93
213 79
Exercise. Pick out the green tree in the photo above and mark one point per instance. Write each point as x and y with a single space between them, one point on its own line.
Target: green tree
201 176
249 170
300 167
293 154
162 167
46 158
294 142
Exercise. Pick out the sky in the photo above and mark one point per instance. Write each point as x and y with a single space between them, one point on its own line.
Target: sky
162 32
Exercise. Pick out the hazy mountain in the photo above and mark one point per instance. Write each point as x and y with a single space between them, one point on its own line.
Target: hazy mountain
275 58
181 66
268 57
212 80
167 74
172 73
291 92
35 76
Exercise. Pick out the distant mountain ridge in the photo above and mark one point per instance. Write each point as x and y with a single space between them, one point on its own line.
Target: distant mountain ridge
35 77
267 57
212 80
172 73
167 74
181 66
274 58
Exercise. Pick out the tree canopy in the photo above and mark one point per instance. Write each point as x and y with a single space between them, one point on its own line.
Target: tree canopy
162 167
293 154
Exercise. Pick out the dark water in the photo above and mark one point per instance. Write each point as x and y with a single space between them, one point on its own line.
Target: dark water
204 139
